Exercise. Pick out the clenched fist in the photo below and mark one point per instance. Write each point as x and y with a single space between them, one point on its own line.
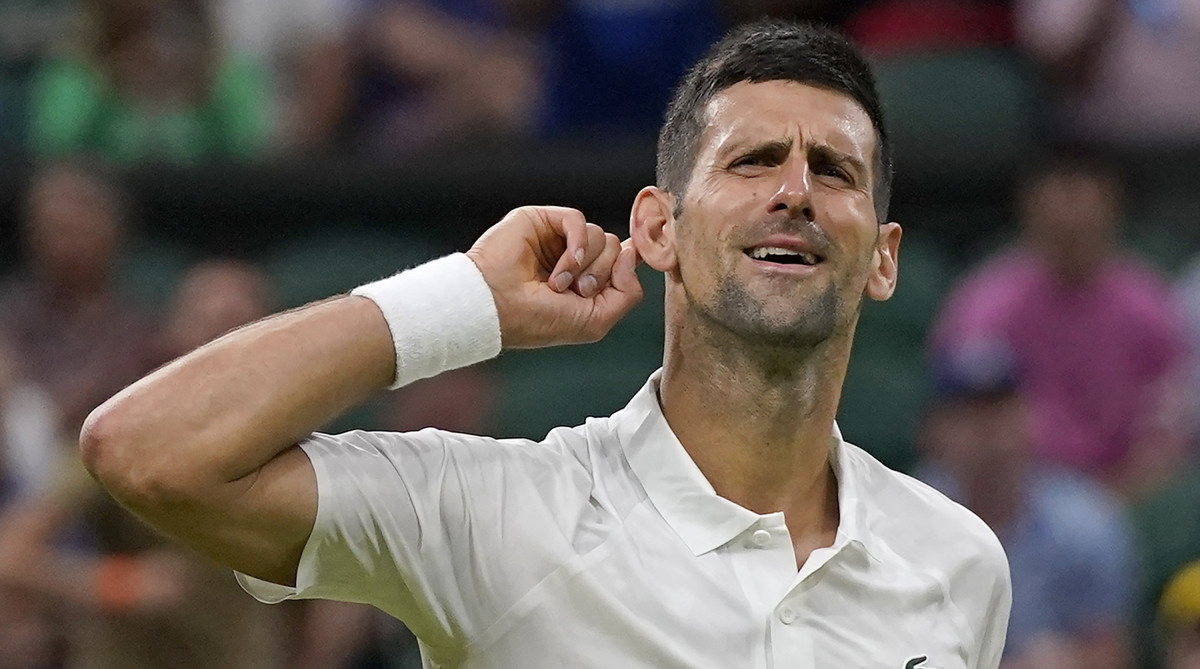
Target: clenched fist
556 278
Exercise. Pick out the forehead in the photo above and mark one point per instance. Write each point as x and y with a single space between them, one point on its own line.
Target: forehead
775 110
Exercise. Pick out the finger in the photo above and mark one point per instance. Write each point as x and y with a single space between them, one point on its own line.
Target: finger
596 275
622 294
571 225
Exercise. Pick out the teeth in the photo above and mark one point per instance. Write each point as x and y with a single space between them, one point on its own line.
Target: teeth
762 252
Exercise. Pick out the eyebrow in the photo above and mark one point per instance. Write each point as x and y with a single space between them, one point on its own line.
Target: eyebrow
784 146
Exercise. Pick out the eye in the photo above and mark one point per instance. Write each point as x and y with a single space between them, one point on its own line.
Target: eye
832 170
750 160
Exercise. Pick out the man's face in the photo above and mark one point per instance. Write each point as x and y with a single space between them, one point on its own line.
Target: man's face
1071 217
777 239
72 228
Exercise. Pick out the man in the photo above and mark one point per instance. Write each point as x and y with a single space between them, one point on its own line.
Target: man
1105 406
719 520
1070 547
73 331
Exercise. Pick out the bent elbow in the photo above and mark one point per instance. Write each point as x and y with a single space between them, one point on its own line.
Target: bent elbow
96 442
115 455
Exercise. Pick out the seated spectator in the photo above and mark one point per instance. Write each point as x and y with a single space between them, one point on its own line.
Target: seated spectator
435 72
29 33
611 66
213 297
1179 619
1095 329
304 48
149 82
72 331
139 600
1123 72
1068 544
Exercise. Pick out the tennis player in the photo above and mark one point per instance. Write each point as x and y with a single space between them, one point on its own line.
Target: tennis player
719 520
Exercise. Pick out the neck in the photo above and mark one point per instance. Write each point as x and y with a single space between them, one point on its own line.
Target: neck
758 422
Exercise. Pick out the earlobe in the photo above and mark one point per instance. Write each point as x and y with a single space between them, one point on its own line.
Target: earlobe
882 282
652 228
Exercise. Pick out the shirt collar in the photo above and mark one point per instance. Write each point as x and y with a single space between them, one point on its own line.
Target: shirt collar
687 501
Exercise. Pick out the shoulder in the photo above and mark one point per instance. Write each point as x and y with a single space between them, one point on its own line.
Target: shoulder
562 447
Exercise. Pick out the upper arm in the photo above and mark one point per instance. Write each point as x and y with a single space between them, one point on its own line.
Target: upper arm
260 524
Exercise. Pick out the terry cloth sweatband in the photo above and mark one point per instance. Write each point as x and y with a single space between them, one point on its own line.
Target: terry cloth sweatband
441 315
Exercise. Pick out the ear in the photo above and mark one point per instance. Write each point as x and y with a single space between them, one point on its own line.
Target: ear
882 281
652 228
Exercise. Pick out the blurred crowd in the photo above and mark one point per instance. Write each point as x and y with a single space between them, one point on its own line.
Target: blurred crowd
1063 368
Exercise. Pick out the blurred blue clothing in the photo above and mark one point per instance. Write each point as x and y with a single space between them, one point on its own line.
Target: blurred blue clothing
612 66
1071 552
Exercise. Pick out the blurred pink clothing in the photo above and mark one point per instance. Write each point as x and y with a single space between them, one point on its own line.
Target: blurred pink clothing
1095 358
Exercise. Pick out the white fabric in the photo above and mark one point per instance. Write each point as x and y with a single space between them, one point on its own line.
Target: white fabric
604 546
442 316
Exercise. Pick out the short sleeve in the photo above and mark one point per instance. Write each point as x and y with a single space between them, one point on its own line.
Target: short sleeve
441 530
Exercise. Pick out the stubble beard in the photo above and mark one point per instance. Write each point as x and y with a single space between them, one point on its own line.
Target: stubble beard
740 314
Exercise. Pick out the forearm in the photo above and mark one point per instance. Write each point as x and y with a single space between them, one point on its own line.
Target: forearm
220 413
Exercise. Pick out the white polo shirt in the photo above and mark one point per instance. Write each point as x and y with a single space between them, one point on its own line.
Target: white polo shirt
604 546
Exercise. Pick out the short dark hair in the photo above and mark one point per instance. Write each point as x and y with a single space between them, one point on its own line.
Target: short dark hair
770 51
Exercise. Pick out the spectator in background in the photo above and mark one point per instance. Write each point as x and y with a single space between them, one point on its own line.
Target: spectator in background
29 32
72 332
1124 72
434 72
141 601
1179 619
1094 329
149 81
213 297
304 46
611 66
1068 544
30 446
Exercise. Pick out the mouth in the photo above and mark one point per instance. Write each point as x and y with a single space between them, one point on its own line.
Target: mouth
781 255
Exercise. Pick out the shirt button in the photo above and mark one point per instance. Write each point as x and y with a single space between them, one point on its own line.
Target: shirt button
787 616
760 538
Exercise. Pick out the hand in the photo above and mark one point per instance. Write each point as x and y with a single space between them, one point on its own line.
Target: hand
556 278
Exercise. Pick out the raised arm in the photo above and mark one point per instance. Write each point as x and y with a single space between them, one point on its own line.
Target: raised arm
204 449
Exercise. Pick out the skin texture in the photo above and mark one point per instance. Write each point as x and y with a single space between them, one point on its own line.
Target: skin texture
204 448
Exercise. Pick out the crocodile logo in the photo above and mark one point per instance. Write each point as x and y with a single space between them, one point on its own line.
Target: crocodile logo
916 662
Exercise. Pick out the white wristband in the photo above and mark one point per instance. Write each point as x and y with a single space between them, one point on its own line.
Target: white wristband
441 314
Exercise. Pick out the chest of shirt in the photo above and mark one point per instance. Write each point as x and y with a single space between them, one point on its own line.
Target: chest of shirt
643 599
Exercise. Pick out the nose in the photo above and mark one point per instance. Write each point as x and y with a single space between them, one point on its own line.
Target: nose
795 190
